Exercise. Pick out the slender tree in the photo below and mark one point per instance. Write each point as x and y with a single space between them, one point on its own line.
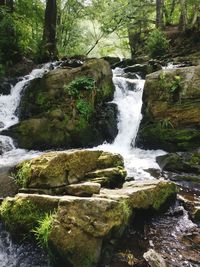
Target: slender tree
159 13
183 16
49 34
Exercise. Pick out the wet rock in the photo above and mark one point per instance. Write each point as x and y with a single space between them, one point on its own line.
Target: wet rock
192 205
52 116
6 85
82 227
86 189
8 185
156 173
58 169
154 259
110 178
112 60
180 162
138 68
171 110
196 213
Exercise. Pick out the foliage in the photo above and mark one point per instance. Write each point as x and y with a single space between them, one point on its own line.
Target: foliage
21 215
157 44
166 124
79 84
9 38
23 174
43 229
175 86
84 108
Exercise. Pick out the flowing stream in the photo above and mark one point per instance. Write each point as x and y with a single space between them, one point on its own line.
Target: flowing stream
128 98
9 154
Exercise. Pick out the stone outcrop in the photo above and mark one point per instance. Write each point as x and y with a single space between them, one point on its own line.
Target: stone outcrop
171 118
53 172
83 227
67 108
154 259
181 167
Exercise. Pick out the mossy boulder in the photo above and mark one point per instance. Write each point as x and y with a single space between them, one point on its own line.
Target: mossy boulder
171 110
56 170
180 162
83 227
66 108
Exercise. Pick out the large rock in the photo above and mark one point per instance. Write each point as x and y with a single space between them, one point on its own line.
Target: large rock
56 170
180 162
81 228
154 259
171 118
54 116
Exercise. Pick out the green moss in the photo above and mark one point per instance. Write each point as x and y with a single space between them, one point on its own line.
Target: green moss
21 216
163 194
40 99
170 139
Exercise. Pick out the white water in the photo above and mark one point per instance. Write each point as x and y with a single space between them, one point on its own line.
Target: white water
8 117
128 97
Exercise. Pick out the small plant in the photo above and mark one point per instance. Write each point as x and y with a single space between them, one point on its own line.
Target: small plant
84 108
43 229
166 124
23 175
175 86
79 84
157 44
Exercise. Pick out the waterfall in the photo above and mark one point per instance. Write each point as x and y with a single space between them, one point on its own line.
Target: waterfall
128 98
9 154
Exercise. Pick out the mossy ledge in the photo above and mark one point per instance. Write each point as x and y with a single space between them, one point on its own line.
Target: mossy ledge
83 226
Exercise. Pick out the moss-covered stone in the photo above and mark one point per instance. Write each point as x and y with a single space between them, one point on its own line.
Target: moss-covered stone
58 169
171 110
180 162
83 227
52 116
154 136
22 213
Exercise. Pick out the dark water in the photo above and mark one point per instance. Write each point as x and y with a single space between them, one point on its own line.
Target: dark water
14 254
173 235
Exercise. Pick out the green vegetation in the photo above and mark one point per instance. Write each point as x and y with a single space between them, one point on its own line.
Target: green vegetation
42 231
157 44
91 28
79 84
20 217
84 108
175 85
23 174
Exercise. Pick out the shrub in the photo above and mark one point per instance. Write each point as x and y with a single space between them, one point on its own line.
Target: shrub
157 44
79 84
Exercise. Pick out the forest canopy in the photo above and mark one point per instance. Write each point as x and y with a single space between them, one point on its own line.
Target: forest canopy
45 30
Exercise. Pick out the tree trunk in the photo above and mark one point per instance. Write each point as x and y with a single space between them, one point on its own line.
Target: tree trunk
49 35
183 16
159 13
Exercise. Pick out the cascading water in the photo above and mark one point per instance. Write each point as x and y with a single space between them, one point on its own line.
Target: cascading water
128 97
11 254
10 155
